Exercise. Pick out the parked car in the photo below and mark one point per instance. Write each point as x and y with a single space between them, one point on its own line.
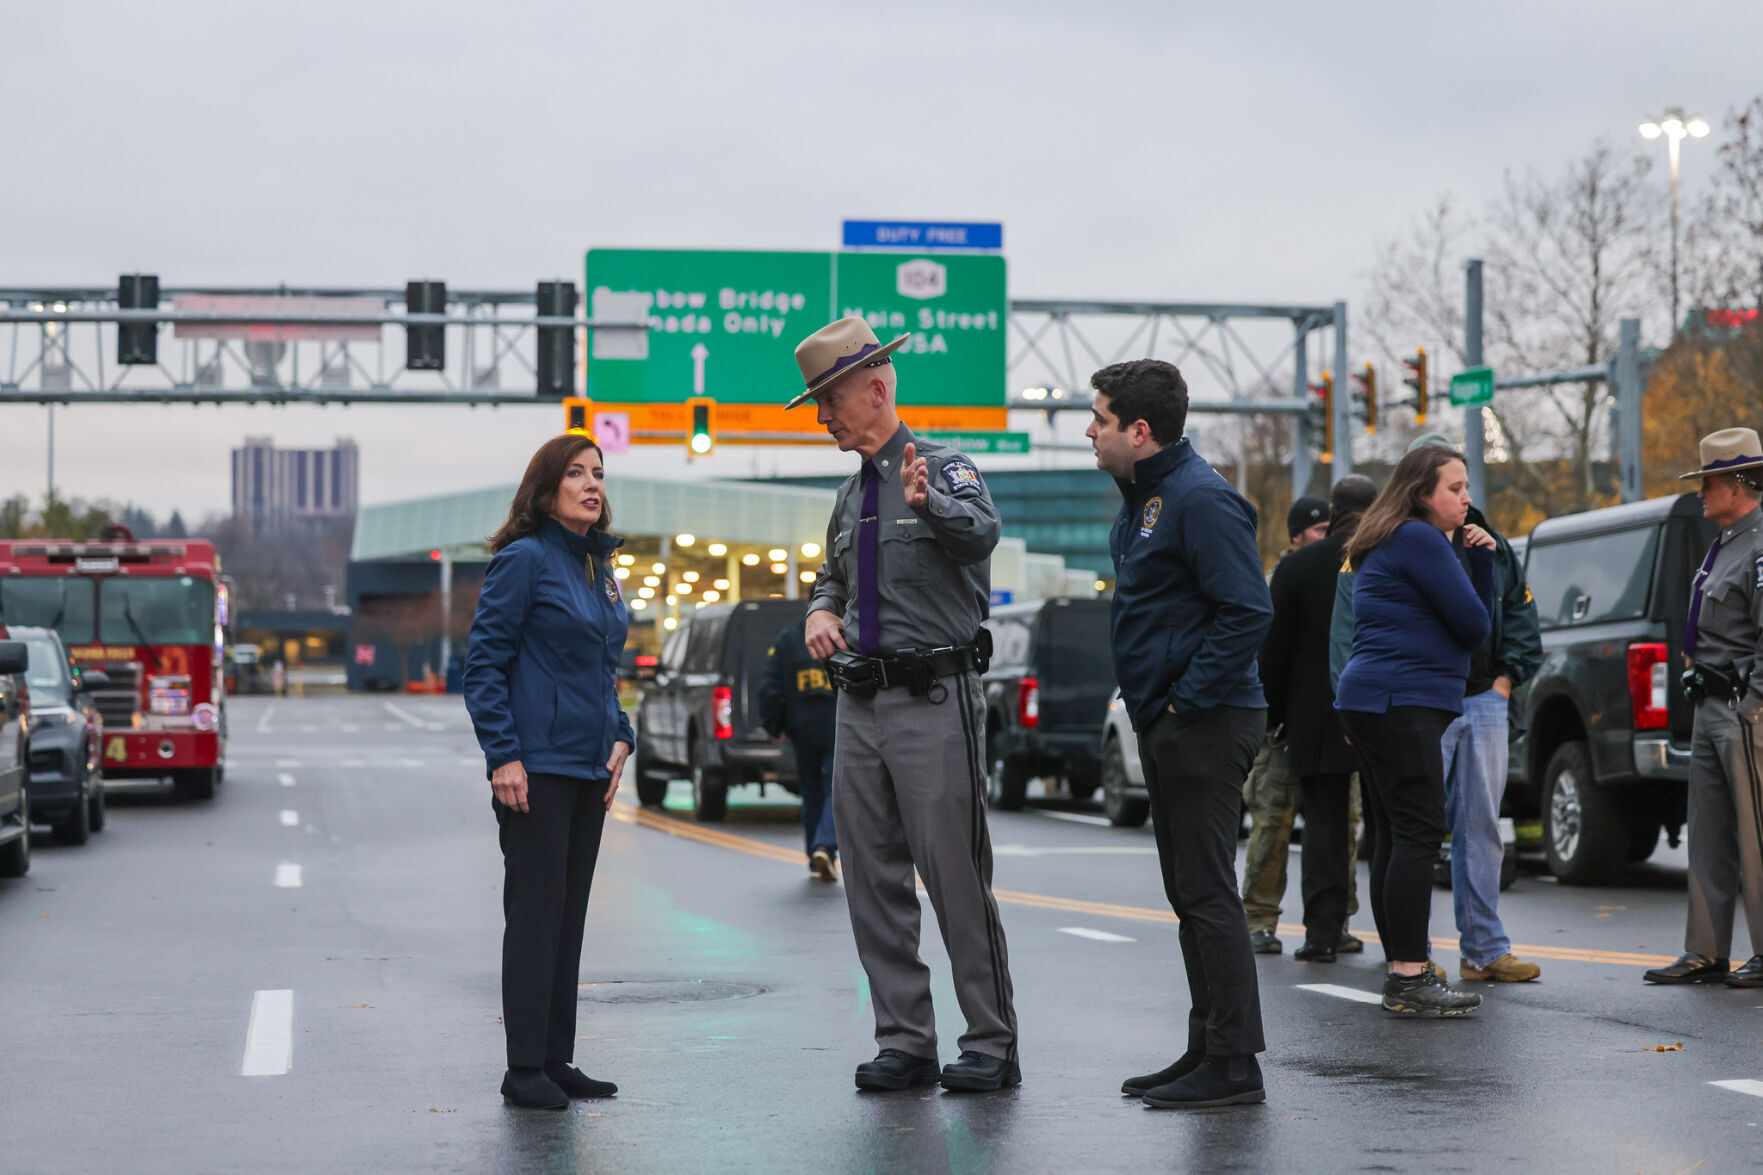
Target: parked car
1602 742
245 670
1124 797
67 789
1046 693
15 800
699 715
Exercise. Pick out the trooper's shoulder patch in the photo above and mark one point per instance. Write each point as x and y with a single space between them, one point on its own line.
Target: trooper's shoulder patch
1757 568
960 474
612 590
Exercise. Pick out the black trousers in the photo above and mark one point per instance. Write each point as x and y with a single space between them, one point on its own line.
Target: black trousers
548 855
1404 780
1195 765
1325 864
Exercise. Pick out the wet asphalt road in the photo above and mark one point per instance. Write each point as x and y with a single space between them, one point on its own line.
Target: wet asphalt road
350 861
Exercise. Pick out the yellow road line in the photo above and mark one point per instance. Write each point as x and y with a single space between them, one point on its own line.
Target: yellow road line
647 818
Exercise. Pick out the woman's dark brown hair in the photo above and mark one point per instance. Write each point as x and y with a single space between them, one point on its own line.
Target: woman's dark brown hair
538 489
1414 479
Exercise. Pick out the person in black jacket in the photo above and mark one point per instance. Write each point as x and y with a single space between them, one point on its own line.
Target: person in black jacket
797 700
1300 705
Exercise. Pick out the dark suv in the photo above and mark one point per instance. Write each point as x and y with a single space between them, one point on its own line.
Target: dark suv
699 715
1047 693
67 789
1602 749
15 725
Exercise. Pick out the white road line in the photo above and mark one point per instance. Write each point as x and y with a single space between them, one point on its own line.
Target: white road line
263 722
287 762
269 1039
287 876
1074 817
348 729
1342 993
290 818
309 730
1098 935
1743 1085
353 763
1036 851
466 761
410 763
393 726
285 779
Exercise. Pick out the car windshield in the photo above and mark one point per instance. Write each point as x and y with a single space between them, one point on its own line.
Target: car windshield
168 611
47 673
62 604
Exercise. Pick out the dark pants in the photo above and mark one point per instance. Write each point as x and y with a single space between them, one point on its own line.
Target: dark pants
548 855
1195 765
814 778
1327 865
1404 776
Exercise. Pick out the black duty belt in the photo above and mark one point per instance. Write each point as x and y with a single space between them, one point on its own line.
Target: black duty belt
1720 685
918 670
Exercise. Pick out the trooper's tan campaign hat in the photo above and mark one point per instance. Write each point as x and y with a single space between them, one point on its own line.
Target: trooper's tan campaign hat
836 349
1728 451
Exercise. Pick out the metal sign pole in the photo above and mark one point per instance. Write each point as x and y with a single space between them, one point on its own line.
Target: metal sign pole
1343 401
1628 410
1474 426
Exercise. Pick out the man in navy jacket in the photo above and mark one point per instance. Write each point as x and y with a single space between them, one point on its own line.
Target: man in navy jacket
1190 610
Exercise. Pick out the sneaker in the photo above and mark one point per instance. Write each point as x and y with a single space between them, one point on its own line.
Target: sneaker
1508 968
1349 945
1426 994
1218 1081
1264 942
821 865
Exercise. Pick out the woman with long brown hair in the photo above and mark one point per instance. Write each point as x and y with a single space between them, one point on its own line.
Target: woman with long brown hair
1419 614
540 683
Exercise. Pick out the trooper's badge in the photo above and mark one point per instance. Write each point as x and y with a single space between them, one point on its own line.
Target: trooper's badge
960 475
1153 511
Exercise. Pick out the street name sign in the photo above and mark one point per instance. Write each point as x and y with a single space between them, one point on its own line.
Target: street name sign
913 234
1472 387
975 443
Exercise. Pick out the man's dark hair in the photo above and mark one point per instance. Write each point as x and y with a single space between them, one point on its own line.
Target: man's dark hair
1149 390
1351 497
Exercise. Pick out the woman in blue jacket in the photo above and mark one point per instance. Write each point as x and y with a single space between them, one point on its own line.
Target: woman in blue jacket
540 684
1418 616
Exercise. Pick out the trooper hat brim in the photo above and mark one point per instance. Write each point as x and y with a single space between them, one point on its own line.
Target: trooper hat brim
1701 473
831 377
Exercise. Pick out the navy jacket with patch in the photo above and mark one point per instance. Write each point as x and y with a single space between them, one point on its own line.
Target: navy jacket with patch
1190 601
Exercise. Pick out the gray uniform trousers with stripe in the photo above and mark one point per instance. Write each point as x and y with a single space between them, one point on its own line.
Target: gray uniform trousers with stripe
1725 830
909 791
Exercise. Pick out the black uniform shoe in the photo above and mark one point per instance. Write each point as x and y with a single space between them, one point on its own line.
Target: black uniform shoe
1426 994
1136 1086
575 1083
981 1073
1264 942
1218 1081
1750 975
1691 969
532 1090
1312 952
893 1069
1350 945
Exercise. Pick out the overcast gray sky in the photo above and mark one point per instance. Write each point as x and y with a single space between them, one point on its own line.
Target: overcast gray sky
1132 149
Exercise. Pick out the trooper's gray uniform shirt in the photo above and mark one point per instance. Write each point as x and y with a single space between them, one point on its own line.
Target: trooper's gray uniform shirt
1726 778
908 773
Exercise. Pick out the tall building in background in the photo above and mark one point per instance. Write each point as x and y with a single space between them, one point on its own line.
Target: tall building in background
276 488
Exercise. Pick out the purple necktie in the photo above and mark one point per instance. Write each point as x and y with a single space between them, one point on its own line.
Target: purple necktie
868 608
1695 621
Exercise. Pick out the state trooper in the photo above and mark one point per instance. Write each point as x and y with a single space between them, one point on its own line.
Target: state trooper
1723 645
896 614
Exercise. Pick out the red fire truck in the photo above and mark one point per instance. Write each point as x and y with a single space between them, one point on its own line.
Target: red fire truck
152 616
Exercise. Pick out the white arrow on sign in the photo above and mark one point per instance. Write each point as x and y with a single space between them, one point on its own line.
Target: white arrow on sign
699 354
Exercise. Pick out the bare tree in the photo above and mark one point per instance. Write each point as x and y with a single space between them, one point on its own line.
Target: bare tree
1723 242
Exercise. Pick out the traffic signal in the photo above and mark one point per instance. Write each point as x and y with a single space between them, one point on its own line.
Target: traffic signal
701 431
1325 392
1416 379
577 415
556 343
137 343
1366 394
425 347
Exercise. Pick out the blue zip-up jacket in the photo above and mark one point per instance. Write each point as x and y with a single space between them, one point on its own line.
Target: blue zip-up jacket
1416 619
1190 599
541 667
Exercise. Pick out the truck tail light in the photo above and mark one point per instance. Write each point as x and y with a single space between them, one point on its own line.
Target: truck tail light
1028 702
168 695
722 711
1648 681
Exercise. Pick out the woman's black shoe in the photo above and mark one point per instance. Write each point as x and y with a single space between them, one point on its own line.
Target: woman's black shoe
1219 1081
896 1069
1690 969
1314 953
532 1090
1750 975
1426 994
1136 1086
575 1083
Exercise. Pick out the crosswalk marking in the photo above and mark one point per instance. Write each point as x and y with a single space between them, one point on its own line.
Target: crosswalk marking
1742 1085
287 876
290 817
1342 993
269 1037
1097 935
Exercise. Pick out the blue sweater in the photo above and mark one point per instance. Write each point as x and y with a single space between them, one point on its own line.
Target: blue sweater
541 667
1417 619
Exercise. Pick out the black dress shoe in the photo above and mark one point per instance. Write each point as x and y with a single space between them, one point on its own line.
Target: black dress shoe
1264 942
1136 1086
1312 952
532 1090
575 1083
980 1073
1750 975
894 1069
1218 1081
1691 969
1351 945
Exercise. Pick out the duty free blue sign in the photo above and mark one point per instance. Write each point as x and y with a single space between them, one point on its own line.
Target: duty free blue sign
920 235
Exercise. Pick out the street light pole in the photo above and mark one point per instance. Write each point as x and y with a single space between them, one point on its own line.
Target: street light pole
1674 127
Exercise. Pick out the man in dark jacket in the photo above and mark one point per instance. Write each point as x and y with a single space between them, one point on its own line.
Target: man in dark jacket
1300 706
797 699
1190 609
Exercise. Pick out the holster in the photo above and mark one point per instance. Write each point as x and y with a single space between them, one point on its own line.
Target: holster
1701 682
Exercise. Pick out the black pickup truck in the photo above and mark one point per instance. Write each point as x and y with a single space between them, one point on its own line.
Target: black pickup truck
1603 728
1047 693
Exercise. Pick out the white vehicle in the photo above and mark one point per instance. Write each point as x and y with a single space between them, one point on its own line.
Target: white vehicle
1124 797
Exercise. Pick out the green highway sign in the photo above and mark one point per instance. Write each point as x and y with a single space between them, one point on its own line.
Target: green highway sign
725 323
1472 387
997 443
